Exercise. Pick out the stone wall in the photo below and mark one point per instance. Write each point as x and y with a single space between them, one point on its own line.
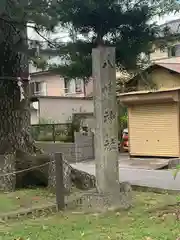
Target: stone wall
84 146
68 149
81 150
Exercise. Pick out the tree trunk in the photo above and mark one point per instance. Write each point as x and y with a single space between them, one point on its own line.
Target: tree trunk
16 144
14 111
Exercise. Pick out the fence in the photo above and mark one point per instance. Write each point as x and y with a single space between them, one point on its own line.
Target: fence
9 175
63 132
58 175
53 132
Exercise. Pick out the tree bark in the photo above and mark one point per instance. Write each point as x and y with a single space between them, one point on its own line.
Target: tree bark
15 112
16 143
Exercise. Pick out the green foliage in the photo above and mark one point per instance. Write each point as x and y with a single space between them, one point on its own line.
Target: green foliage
105 17
48 130
62 132
123 24
178 199
77 58
46 121
146 220
123 115
49 138
39 63
176 171
74 127
15 16
39 12
124 119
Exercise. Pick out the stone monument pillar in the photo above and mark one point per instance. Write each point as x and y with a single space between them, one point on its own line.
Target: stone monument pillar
106 131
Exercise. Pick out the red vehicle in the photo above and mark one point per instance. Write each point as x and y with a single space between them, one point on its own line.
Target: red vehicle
125 139
124 143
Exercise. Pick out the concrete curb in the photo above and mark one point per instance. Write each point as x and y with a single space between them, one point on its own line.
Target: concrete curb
152 189
43 210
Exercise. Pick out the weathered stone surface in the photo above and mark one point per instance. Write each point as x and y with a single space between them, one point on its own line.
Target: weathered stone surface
68 149
67 176
72 177
84 146
96 202
106 131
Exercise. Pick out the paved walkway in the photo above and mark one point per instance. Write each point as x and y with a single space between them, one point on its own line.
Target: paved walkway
141 177
142 163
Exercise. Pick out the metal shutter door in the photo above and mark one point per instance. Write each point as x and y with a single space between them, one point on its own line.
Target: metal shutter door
153 130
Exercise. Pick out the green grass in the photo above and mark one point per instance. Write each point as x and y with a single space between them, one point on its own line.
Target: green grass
24 199
145 221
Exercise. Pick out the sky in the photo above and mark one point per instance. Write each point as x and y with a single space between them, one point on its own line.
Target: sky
63 35
168 18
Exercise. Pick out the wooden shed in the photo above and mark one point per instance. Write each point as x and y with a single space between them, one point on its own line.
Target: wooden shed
153 122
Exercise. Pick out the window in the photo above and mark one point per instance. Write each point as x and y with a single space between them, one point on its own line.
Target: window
73 86
35 88
78 86
66 85
174 51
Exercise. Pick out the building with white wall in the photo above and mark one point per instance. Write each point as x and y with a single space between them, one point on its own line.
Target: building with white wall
53 109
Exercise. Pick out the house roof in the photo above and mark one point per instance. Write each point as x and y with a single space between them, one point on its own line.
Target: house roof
169 31
171 66
150 96
175 67
42 73
174 60
173 26
149 91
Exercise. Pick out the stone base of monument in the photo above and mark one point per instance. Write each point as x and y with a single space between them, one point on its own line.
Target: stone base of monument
92 201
